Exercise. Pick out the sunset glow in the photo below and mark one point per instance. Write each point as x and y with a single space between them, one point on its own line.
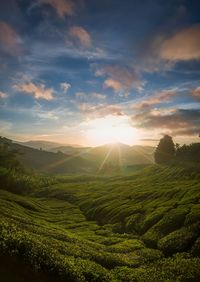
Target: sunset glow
110 130
90 72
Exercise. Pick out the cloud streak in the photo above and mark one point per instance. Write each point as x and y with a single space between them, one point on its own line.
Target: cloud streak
120 79
196 93
177 122
97 111
10 42
62 7
159 98
37 91
3 95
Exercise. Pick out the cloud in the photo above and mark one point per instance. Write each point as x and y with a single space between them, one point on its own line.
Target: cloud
117 86
65 86
62 7
10 42
120 79
176 121
95 111
80 34
81 95
38 91
162 51
3 95
154 100
182 46
98 96
196 93
48 115
84 96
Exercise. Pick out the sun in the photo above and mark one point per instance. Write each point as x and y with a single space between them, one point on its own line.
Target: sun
111 129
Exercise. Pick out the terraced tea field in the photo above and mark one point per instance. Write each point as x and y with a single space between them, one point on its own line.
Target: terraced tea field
142 227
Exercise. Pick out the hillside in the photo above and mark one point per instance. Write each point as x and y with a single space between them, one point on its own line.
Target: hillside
133 228
121 155
48 162
39 144
108 159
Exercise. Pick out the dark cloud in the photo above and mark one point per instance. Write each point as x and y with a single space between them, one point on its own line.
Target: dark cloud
10 42
177 122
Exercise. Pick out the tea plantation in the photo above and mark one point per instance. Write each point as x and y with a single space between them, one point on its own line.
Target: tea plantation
141 227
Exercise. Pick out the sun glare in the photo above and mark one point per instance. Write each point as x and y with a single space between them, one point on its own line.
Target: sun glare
111 130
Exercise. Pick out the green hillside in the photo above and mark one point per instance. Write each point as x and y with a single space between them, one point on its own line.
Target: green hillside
142 227
106 159
120 155
49 162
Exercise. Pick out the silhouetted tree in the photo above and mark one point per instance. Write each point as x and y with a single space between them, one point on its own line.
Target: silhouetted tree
189 153
165 150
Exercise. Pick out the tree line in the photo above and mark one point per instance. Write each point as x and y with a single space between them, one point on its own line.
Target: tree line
167 151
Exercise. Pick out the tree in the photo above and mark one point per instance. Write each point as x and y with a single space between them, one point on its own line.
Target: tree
165 150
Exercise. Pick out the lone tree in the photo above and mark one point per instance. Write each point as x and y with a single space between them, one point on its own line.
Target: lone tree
165 150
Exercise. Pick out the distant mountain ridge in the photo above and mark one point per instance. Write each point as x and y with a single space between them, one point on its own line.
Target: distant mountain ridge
70 159
48 162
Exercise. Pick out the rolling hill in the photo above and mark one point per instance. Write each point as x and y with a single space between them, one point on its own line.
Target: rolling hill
109 158
49 162
103 229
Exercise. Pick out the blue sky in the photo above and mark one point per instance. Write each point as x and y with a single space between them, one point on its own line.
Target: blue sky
88 72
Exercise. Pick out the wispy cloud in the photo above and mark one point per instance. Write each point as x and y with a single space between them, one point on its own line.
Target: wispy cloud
120 78
38 91
81 35
196 93
10 42
62 7
98 96
3 95
65 86
154 100
88 96
96 111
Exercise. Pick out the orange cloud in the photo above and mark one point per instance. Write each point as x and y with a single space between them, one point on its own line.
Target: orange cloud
154 100
3 95
79 33
196 92
38 91
184 45
9 40
62 7
120 78
102 110
117 86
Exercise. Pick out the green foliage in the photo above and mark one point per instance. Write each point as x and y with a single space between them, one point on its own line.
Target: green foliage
22 183
92 228
8 157
165 150
189 153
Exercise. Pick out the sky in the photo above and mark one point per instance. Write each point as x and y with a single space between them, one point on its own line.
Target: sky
88 72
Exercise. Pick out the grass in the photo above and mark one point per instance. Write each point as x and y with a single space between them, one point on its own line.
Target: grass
140 227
